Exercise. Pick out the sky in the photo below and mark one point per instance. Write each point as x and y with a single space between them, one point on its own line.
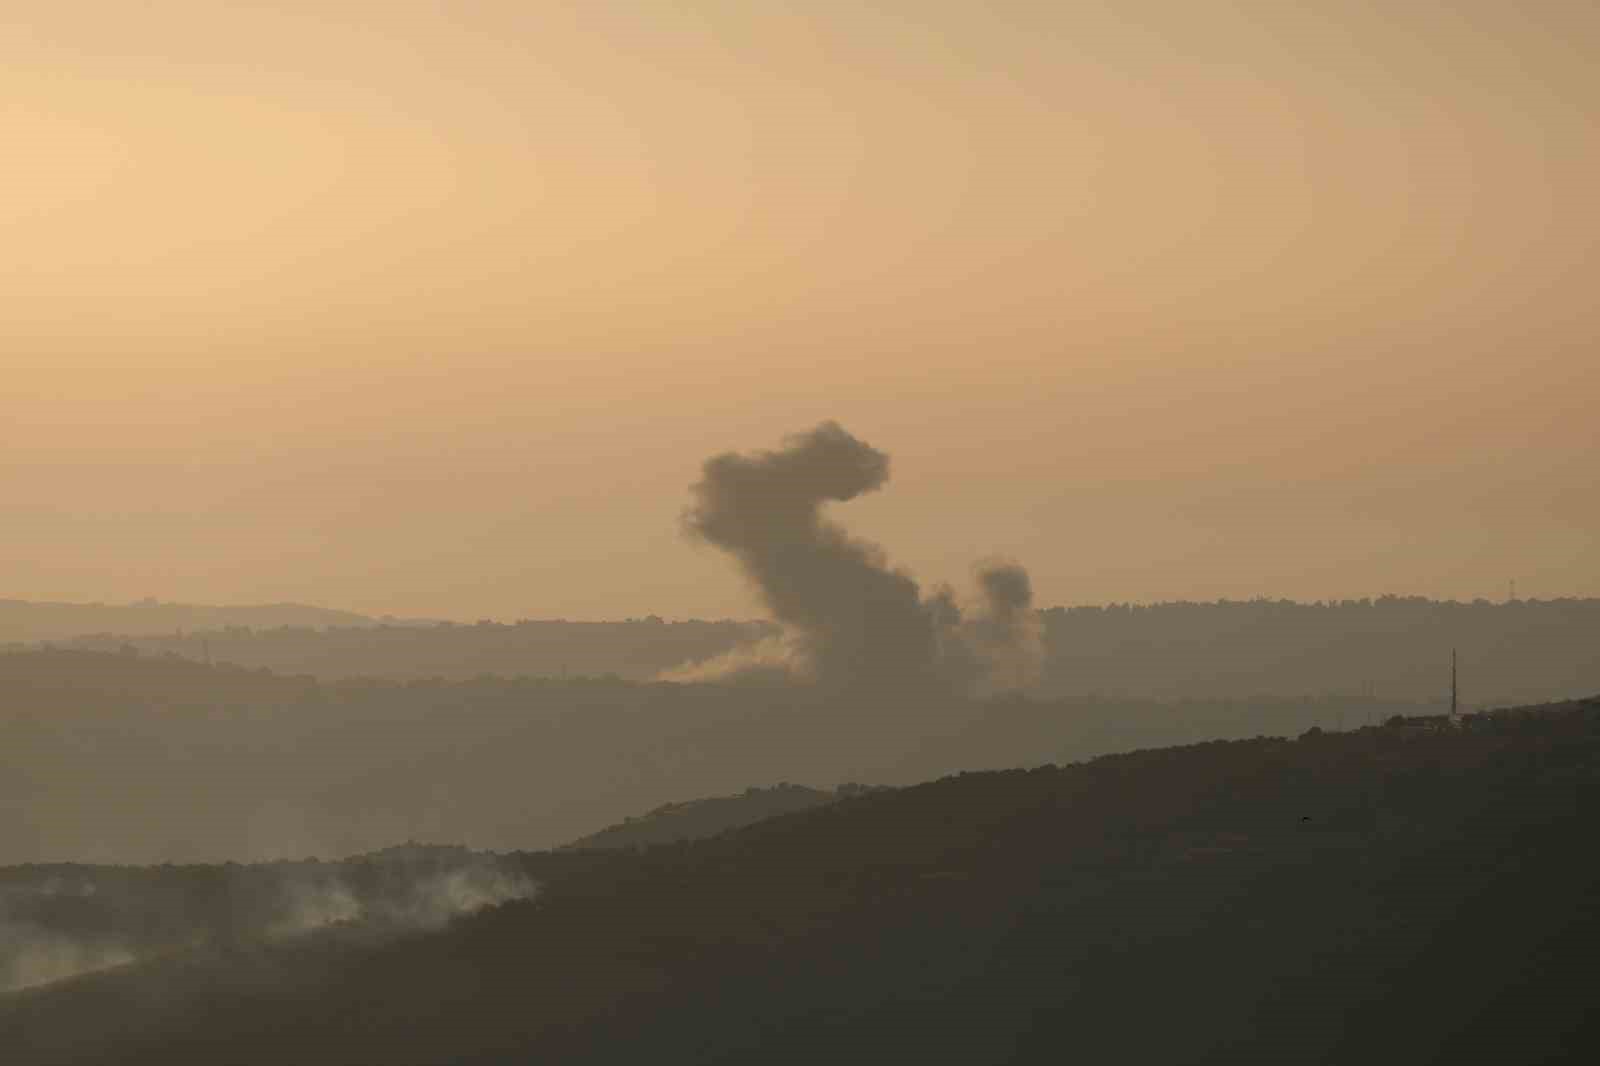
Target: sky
434 309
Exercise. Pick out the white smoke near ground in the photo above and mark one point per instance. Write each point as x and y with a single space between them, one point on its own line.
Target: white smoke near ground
31 956
849 619
380 897
418 899
31 953
771 659
436 900
315 905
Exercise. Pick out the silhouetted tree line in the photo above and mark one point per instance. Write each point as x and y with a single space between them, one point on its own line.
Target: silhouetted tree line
693 819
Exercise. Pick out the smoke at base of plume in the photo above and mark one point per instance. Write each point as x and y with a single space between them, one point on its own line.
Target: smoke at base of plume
849 619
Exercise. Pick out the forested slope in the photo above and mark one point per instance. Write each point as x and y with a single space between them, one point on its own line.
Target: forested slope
693 819
1410 893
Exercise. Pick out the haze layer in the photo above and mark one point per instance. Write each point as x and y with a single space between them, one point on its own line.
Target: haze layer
435 309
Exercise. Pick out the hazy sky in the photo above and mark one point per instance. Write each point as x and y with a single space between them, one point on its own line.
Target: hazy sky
436 308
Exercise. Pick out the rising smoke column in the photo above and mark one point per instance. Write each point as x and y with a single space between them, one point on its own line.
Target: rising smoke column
1006 634
849 619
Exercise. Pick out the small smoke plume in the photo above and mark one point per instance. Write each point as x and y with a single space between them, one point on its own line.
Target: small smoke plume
770 660
33 953
1006 634
849 619
406 898
33 956
55 928
313 904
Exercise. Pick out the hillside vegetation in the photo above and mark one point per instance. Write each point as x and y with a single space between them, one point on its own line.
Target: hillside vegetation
693 819
1417 892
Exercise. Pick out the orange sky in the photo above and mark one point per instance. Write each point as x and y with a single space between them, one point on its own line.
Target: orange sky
434 309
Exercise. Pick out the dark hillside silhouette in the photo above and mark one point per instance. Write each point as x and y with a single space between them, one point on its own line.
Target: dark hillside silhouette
1390 895
693 819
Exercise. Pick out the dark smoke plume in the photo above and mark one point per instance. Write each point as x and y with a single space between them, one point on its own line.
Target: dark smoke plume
849 619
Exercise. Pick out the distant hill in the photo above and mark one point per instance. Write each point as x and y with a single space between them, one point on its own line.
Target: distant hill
636 650
26 621
1410 893
1389 649
674 822
102 755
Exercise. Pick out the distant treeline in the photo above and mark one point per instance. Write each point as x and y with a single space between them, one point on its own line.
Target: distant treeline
1390 648
634 649
1387 649
137 758
25 620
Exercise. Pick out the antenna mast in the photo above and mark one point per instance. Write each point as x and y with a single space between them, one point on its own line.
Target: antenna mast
1452 682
